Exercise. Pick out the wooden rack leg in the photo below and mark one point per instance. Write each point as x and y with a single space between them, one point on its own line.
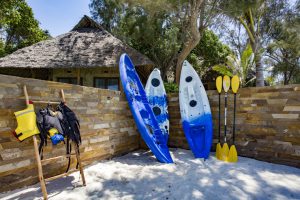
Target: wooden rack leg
37 155
40 170
79 163
76 147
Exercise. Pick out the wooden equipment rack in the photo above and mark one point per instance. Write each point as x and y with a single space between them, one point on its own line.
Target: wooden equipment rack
40 162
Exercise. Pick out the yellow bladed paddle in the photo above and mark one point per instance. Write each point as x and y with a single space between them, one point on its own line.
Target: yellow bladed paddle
235 84
219 88
232 156
219 84
225 148
226 83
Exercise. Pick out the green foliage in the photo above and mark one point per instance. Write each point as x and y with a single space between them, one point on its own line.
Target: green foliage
159 29
2 48
258 15
152 30
270 80
209 52
241 67
107 12
18 27
149 36
257 18
284 51
171 87
223 69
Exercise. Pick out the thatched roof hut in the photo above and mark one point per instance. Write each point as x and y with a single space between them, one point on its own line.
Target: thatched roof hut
87 45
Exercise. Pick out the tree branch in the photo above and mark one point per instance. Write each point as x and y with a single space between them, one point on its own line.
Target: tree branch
251 20
251 37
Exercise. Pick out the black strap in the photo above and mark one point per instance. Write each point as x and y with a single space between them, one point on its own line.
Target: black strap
43 137
19 135
41 149
234 109
78 153
219 117
225 124
68 150
71 129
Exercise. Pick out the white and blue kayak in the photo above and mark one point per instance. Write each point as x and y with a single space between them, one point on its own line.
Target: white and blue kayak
157 98
142 113
195 112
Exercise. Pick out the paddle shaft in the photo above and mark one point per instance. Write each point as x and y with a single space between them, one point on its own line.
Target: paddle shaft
225 116
219 117
234 109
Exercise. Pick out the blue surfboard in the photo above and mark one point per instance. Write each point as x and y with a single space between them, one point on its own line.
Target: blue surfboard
195 112
142 113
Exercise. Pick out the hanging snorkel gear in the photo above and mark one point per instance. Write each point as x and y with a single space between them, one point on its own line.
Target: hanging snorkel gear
26 120
55 136
57 124
50 126
70 124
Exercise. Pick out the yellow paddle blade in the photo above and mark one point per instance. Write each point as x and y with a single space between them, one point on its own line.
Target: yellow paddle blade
224 152
219 84
235 83
226 83
232 155
218 151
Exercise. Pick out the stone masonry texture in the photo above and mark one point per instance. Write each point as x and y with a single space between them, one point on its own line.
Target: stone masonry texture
267 123
267 126
107 128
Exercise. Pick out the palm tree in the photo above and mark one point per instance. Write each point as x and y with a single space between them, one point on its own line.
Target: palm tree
257 17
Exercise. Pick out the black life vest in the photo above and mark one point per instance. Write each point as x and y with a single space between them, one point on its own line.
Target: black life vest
70 123
65 121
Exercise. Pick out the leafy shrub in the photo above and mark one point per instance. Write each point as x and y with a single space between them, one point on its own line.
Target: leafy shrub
171 87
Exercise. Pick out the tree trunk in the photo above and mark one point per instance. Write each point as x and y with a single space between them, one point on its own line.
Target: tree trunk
285 78
291 72
193 36
254 38
190 45
259 72
163 72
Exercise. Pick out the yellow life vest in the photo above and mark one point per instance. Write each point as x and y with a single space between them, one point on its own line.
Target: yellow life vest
26 120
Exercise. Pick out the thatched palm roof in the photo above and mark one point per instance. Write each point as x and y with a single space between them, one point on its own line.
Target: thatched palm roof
86 45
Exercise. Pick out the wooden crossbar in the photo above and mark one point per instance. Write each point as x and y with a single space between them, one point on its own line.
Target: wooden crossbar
43 102
61 175
41 162
57 157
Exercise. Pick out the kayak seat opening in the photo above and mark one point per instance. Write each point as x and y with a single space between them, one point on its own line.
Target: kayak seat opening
144 114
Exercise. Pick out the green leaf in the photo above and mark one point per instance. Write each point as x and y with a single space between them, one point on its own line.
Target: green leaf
222 69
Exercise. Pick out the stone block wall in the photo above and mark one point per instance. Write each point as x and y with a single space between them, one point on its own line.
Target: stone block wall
268 126
107 128
267 123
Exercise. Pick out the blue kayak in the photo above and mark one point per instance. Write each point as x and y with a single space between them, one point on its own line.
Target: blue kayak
195 112
141 111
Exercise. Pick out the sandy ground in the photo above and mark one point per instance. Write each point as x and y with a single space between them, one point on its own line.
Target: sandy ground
139 176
